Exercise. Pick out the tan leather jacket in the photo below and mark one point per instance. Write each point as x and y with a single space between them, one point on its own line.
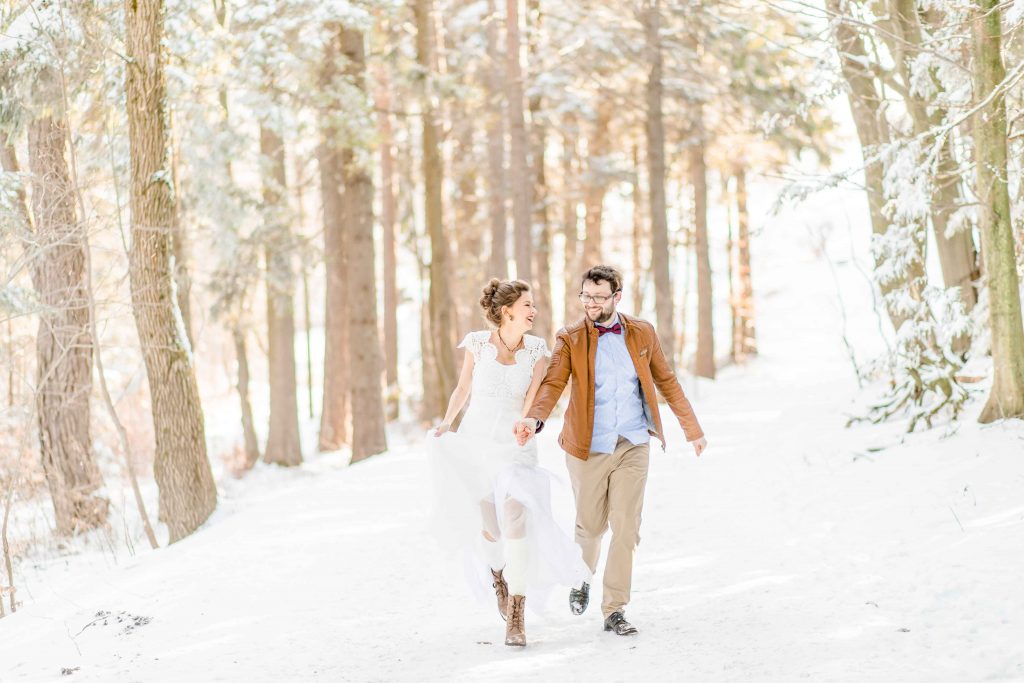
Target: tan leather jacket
573 356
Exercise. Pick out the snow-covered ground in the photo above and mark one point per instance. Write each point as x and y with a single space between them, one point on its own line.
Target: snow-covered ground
793 549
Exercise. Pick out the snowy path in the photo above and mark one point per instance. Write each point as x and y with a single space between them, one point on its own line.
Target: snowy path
790 551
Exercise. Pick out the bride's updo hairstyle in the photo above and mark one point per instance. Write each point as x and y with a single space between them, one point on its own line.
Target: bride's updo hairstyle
500 293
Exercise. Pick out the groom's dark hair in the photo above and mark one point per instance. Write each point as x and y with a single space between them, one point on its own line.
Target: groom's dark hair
599 274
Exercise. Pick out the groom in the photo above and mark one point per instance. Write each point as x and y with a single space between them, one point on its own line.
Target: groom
615 362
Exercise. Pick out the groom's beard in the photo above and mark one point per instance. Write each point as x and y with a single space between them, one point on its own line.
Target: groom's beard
602 317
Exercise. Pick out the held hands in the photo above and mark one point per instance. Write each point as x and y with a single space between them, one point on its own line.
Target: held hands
699 445
442 428
524 430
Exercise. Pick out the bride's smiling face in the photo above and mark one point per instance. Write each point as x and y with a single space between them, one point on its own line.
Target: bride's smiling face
522 311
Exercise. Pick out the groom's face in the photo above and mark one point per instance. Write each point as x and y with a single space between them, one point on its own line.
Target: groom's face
600 312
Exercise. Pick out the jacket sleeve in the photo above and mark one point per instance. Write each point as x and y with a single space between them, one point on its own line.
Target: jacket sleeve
555 379
668 386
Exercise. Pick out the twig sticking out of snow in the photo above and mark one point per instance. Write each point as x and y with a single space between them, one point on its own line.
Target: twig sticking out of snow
957 519
7 552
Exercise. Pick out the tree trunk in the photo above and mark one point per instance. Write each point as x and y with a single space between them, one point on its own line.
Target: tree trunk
63 342
663 303
335 410
570 227
498 264
283 445
388 219
467 230
638 236
1006 398
745 294
957 254
542 294
182 279
252 446
252 449
730 261
367 398
442 321
181 468
597 182
698 178
428 363
867 108
519 170
307 326
541 227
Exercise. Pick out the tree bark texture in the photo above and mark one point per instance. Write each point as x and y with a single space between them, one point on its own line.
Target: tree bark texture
283 445
388 221
1006 398
705 366
519 168
745 286
596 182
365 346
663 300
336 410
181 468
495 126
64 343
442 332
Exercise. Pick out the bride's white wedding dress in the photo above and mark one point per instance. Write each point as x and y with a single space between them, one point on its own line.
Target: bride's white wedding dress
486 483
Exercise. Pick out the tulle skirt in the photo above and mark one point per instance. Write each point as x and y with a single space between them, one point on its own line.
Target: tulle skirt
481 466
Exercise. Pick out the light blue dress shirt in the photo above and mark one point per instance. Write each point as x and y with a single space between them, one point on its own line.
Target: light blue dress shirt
618 401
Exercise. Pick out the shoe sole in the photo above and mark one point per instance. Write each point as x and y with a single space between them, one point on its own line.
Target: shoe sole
631 632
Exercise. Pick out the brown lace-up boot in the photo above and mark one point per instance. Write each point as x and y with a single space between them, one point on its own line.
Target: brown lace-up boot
501 592
515 629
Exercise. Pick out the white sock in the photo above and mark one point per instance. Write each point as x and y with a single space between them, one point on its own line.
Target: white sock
517 556
492 553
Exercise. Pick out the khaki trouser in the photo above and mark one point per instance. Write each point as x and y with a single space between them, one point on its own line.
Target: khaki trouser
609 489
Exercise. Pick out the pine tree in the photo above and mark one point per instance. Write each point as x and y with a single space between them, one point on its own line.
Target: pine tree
182 471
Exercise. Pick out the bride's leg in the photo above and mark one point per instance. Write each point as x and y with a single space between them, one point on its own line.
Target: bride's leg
516 553
490 535
516 560
493 553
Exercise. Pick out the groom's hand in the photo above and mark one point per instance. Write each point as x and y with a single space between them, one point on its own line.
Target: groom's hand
699 445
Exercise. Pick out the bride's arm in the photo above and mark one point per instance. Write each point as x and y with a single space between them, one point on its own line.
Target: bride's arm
459 396
538 376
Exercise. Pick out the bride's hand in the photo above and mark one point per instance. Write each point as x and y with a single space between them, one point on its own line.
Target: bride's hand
442 428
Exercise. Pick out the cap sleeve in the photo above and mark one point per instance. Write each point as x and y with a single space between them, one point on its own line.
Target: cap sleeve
472 342
538 349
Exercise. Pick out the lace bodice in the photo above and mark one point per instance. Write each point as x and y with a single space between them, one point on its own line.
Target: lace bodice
495 380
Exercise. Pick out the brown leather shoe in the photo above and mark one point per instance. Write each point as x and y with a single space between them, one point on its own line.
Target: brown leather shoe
501 592
515 629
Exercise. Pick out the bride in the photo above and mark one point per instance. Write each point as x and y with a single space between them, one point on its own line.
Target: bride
493 499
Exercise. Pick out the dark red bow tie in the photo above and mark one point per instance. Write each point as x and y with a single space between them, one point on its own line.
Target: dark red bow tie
614 329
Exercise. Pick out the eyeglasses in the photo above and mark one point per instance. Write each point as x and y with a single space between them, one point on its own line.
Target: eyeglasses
599 300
